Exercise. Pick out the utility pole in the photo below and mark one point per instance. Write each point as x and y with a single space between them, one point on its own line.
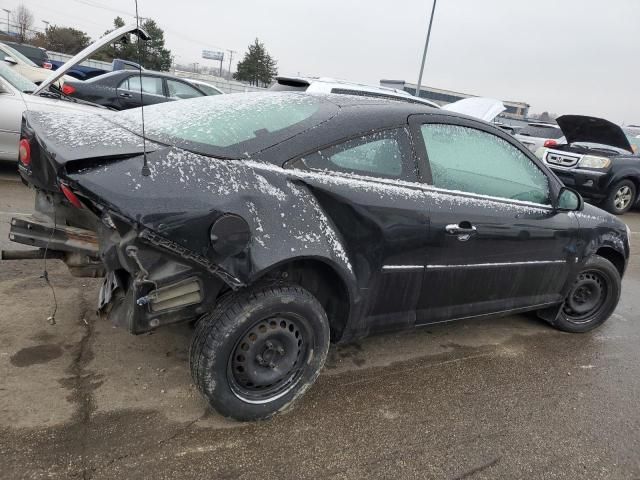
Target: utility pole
8 13
231 52
426 46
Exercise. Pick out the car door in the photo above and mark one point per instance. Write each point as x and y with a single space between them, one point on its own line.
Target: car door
11 107
495 243
152 89
368 186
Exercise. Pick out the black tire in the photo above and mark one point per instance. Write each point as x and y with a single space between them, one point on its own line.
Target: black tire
259 350
621 198
592 298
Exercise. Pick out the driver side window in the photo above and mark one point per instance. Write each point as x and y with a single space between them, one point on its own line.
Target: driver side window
474 161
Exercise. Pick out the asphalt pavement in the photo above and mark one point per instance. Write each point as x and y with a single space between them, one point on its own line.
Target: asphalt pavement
479 399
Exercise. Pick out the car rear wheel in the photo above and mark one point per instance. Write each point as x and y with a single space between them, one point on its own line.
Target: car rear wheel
259 350
592 298
621 197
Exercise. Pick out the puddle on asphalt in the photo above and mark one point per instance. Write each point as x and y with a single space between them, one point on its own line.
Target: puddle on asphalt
35 355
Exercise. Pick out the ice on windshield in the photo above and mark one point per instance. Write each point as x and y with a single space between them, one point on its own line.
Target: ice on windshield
15 79
226 120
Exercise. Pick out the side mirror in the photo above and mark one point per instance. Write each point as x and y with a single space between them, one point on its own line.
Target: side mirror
10 60
569 200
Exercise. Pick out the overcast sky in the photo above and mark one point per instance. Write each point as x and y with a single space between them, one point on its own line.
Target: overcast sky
563 56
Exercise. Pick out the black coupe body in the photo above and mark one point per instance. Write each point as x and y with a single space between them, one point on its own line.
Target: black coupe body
124 89
598 161
283 220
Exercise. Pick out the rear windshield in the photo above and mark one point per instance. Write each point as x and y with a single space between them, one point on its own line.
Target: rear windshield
541 131
229 126
16 54
33 53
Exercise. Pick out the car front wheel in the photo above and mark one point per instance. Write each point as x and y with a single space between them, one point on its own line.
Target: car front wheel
621 197
592 298
259 350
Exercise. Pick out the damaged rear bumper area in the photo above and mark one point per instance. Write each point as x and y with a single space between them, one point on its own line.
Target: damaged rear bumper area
149 281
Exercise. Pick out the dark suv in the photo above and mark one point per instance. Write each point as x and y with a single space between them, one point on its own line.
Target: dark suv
281 221
597 160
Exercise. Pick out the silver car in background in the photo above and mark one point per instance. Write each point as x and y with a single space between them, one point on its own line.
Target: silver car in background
540 134
16 96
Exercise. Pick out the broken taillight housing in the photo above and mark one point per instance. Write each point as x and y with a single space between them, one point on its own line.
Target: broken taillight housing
24 152
69 195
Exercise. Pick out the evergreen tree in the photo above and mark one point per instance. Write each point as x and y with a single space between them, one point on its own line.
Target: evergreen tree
62 39
153 55
257 67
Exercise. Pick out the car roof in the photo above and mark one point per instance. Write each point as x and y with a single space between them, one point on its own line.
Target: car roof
346 87
356 116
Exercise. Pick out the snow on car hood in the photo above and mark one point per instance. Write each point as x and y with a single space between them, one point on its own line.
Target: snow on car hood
479 107
90 50
581 128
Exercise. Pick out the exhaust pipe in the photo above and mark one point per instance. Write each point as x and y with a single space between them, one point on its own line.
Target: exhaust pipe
37 254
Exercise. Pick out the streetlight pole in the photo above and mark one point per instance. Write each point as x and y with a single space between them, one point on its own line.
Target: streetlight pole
231 52
8 26
426 46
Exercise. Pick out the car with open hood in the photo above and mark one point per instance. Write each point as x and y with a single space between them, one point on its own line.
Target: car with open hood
283 221
18 94
597 160
16 97
24 66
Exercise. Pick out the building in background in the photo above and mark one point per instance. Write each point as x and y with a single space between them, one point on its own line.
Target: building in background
514 110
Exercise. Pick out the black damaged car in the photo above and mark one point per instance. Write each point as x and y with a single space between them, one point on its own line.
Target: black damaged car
597 160
281 222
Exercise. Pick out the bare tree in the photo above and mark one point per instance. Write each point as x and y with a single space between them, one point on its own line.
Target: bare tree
23 19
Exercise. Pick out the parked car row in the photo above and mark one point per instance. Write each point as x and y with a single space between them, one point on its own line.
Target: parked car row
614 182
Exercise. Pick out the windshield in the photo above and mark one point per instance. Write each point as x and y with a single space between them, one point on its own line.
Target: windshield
229 126
16 54
634 140
15 79
208 89
541 131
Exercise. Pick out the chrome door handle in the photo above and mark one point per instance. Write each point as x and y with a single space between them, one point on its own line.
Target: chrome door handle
464 230
126 95
454 229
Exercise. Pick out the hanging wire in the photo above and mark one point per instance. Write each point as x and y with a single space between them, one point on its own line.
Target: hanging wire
45 274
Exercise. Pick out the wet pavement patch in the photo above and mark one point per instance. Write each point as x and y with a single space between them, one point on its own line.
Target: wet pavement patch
35 355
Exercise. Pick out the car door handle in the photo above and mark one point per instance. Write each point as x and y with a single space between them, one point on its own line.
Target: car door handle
464 230
125 95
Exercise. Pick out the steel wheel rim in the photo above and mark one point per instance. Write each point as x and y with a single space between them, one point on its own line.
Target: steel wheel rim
268 360
623 197
586 298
